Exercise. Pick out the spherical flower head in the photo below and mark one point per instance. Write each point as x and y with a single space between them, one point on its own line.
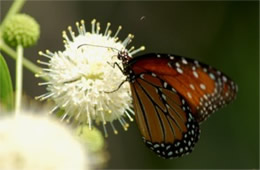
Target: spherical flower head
84 79
96 147
34 142
92 138
21 29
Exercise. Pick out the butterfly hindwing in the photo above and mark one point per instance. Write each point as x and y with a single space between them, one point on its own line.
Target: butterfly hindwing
163 117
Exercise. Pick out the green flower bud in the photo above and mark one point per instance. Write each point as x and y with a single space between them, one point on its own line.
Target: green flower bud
92 138
21 29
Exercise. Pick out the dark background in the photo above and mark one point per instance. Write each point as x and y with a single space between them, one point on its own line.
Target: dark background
222 34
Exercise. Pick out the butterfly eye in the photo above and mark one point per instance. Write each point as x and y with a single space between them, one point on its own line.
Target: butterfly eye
119 56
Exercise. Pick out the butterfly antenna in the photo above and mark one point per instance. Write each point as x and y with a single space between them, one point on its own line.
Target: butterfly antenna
93 45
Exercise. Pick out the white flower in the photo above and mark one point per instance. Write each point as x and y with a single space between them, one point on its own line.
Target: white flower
83 76
30 142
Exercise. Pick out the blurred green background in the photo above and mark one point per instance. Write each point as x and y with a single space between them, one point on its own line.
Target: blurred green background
222 34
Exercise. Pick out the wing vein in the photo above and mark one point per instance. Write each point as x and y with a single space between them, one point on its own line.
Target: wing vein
143 112
160 107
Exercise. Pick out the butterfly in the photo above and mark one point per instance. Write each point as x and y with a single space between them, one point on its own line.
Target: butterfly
172 95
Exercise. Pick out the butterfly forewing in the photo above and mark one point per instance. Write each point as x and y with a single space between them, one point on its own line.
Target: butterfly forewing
204 88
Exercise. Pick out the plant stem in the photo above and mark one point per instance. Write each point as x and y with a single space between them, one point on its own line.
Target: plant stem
27 63
15 8
18 79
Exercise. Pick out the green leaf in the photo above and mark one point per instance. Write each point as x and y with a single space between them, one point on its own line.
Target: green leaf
6 87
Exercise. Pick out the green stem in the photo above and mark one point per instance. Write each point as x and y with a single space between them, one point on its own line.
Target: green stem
15 8
27 63
18 79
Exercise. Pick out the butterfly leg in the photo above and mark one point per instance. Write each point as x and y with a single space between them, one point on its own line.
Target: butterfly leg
122 70
116 64
117 87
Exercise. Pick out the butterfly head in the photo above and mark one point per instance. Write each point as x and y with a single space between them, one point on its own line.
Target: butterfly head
124 56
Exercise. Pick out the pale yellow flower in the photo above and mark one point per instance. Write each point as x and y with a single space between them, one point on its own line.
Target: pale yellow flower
30 142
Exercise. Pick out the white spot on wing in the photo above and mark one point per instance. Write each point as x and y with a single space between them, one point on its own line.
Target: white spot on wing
195 74
179 70
196 62
211 75
192 87
205 97
184 61
170 153
154 75
163 96
181 150
224 78
165 84
189 95
202 86
156 145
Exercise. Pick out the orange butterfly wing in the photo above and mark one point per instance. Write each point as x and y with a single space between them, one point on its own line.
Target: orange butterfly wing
163 117
204 88
171 95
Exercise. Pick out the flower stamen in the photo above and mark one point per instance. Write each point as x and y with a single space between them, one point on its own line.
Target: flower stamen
44 54
44 83
117 32
43 63
79 77
107 28
83 26
127 40
93 25
98 28
105 131
72 34
142 48
131 49
79 28
114 129
109 34
54 109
